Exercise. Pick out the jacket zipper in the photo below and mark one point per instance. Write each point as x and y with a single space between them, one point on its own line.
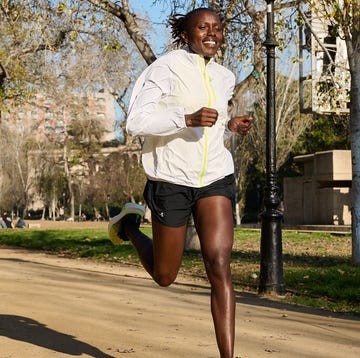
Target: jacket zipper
211 98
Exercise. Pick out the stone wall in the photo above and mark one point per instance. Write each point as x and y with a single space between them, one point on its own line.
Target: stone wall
322 195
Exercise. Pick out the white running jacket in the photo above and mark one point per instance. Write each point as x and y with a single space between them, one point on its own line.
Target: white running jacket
176 84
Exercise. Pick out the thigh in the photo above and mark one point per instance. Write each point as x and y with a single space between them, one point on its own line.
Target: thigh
168 248
213 218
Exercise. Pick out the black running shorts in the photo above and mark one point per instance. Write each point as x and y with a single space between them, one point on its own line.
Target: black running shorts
172 204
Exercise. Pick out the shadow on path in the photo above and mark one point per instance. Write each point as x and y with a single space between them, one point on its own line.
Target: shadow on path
253 299
28 330
242 297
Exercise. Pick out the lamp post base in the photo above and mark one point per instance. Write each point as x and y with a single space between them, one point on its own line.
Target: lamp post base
271 270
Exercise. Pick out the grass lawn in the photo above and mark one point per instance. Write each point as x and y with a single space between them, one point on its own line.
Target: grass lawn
317 266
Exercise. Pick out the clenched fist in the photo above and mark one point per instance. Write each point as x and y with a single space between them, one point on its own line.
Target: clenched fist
240 125
204 117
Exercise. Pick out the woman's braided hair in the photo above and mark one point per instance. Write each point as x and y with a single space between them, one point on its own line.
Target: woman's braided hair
180 22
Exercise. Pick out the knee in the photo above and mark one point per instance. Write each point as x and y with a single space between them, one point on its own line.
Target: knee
164 280
218 267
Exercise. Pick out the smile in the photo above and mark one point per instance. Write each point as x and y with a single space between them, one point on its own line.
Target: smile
211 43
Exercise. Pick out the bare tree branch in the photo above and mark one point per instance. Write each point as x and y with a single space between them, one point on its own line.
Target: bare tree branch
129 21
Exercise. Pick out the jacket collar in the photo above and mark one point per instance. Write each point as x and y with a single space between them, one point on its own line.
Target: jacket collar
194 57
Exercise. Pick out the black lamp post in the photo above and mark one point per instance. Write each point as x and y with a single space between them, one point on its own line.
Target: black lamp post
271 270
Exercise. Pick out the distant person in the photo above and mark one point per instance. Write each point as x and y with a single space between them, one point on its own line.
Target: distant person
20 224
8 221
180 106
62 213
2 223
98 217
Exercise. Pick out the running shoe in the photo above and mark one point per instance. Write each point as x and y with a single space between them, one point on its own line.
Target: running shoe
116 235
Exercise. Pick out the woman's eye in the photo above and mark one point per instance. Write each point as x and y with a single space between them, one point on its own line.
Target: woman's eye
204 27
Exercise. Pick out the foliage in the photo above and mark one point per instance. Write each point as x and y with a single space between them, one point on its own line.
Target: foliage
342 14
15 143
250 152
290 123
18 50
67 51
122 178
324 133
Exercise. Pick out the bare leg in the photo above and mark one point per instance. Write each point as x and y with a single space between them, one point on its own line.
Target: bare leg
161 256
214 224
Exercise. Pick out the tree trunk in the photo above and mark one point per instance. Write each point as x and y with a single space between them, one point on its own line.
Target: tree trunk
69 183
355 149
107 211
52 208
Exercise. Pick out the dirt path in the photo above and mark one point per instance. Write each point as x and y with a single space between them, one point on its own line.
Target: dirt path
57 307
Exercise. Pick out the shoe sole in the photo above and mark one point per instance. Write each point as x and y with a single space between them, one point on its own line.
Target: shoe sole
114 226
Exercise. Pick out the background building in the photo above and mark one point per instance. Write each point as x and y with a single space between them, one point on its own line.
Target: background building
43 116
322 195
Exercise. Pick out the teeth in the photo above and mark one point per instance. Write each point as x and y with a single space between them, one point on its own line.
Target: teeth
209 42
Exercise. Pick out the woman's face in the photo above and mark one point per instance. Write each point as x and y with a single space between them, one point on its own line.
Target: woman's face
204 34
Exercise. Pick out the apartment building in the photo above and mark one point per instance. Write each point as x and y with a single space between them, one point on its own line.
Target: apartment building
45 118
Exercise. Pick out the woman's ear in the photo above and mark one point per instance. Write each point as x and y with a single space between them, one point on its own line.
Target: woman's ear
184 37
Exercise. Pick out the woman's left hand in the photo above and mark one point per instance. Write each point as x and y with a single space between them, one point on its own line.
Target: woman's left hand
241 124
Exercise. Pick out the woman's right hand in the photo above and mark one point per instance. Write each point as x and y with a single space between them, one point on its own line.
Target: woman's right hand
204 117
